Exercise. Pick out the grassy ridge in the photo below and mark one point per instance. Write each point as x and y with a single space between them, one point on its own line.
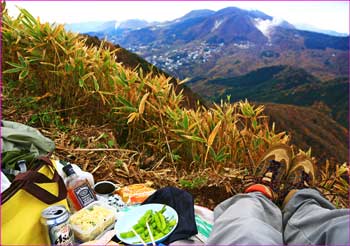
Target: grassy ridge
56 79
286 85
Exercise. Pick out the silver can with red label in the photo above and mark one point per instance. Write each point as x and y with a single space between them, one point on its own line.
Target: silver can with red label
55 220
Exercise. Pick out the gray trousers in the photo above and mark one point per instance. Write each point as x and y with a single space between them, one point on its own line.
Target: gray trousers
308 218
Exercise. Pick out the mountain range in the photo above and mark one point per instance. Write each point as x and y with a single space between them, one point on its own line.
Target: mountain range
133 24
230 42
238 54
210 47
311 28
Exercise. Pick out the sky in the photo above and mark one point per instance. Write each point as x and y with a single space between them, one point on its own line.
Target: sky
326 15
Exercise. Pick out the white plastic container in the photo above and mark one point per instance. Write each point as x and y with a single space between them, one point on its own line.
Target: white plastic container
90 222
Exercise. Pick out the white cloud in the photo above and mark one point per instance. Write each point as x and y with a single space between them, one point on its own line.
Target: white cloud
322 14
265 26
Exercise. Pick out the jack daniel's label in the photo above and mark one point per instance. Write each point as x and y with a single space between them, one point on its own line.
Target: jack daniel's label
84 195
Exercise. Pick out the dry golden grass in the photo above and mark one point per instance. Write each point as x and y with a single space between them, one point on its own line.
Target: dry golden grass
141 132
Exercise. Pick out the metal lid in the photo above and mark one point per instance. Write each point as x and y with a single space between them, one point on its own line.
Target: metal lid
57 214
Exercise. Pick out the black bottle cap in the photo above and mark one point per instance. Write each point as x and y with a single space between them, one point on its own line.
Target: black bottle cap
68 170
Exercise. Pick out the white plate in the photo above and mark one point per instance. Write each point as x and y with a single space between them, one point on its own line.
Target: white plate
131 217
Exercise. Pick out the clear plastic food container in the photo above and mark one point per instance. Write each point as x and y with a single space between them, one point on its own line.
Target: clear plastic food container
90 222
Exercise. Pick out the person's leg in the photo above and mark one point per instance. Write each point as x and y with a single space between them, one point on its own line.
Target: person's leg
247 219
253 218
308 218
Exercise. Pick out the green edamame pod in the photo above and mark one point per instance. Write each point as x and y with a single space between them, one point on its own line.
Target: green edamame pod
162 221
153 225
151 218
136 226
172 222
148 212
157 220
140 230
160 235
144 218
163 209
127 234
167 230
143 235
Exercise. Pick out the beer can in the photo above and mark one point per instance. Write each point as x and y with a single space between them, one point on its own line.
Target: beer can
55 220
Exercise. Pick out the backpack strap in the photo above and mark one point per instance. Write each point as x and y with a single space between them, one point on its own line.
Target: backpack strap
31 178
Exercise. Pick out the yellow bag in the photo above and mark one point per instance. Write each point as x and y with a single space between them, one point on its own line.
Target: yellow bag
23 202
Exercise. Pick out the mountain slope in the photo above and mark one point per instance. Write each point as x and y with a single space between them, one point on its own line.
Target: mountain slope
308 40
281 84
133 61
309 127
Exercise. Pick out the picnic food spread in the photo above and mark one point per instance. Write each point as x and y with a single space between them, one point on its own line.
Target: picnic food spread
91 221
133 223
92 213
62 208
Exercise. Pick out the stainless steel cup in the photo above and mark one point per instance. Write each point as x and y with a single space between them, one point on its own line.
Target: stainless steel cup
104 189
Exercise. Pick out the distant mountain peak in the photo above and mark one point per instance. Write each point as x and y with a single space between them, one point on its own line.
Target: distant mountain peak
238 11
230 10
198 13
311 28
259 14
131 24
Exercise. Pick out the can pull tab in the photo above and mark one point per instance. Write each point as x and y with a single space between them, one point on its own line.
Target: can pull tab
55 212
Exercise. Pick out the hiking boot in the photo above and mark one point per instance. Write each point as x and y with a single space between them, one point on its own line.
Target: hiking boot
279 152
302 172
301 176
272 176
279 158
270 182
